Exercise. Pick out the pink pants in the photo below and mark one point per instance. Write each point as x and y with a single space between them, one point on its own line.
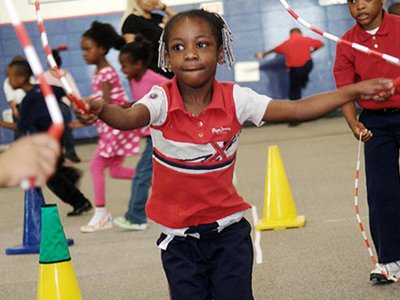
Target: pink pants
97 167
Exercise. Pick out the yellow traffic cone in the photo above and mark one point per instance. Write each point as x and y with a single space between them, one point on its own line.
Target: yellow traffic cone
279 210
57 279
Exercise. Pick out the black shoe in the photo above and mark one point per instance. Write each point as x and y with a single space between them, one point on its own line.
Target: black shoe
72 156
80 210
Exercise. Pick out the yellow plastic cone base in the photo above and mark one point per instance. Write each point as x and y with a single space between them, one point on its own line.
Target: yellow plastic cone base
279 209
57 281
283 224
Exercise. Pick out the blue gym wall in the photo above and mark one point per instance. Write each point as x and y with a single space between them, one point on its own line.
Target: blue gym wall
257 25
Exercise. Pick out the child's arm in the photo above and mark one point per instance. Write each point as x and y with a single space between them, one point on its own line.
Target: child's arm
350 114
118 117
320 104
8 125
106 88
76 124
260 55
14 108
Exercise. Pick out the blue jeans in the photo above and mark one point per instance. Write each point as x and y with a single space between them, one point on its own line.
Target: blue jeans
140 186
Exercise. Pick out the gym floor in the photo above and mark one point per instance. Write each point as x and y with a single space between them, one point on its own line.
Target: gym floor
326 259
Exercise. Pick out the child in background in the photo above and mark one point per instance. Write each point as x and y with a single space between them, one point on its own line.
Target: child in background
195 123
52 79
297 50
135 59
113 145
14 97
35 117
379 124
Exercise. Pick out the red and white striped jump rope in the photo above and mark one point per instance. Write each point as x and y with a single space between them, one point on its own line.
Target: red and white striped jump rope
357 211
389 58
52 62
57 127
396 83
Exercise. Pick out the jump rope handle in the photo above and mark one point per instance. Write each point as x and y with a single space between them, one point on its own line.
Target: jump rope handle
55 131
79 103
396 82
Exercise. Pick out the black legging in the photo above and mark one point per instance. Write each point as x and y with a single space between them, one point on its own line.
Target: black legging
63 184
298 77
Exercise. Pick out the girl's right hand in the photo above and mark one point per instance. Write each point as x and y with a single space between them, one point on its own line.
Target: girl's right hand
94 106
359 128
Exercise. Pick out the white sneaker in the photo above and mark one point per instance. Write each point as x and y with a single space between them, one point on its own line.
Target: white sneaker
126 224
103 224
386 272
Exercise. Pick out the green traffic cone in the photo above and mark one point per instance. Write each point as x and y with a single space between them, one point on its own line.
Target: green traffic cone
57 279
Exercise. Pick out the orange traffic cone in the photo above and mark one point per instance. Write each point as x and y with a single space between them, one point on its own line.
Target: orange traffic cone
279 210
57 279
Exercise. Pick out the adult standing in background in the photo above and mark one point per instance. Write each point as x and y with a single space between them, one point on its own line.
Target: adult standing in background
141 18
297 50
394 8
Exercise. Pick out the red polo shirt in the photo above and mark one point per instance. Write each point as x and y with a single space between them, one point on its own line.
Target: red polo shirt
194 156
353 66
297 49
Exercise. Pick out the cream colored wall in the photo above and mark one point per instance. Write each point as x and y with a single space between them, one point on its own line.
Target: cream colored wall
71 8
61 9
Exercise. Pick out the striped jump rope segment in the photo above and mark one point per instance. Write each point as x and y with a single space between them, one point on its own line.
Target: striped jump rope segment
388 58
57 128
52 62
257 237
357 211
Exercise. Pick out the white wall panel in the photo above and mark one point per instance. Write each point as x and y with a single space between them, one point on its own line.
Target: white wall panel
54 9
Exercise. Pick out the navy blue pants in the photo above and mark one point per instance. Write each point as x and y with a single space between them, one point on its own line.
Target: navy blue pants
383 181
68 138
298 79
217 266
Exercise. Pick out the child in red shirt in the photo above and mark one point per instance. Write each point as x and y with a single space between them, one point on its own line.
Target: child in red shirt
379 124
297 50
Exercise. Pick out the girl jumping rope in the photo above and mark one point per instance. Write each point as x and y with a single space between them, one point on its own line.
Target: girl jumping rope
113 145
195 123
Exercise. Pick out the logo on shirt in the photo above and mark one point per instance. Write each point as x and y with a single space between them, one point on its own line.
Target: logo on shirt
221 130
153 96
